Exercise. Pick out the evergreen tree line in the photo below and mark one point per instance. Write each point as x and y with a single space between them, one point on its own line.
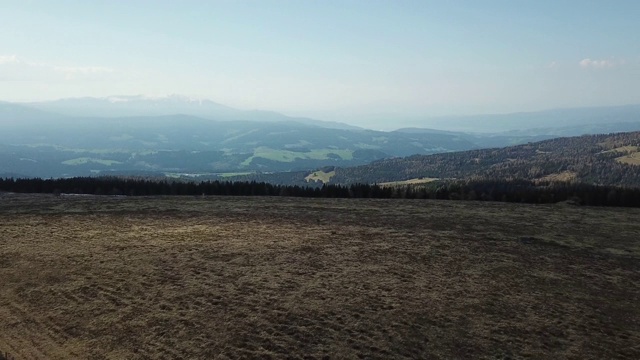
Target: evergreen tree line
523 191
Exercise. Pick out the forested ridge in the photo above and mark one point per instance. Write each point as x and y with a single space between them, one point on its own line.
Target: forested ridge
522 191
588 170
609 159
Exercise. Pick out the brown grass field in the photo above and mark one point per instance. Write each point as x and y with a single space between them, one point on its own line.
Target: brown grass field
224 277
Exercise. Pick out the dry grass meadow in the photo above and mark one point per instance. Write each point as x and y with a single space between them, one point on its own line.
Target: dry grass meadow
224 277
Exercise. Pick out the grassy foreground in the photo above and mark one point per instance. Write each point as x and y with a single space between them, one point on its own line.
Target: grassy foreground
222 277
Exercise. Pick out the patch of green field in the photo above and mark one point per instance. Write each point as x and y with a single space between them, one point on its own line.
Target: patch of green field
320 175
561 176
239 135
86 160
290 156
630 159
192 175
409 182
230 174
623 149
630 154
367 146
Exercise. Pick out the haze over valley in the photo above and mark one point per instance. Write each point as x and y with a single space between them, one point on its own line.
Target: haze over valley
179 136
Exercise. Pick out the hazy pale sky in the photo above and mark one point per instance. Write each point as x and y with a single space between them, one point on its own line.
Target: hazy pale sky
329 59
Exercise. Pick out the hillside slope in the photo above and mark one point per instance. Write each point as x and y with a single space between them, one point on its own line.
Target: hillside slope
611 159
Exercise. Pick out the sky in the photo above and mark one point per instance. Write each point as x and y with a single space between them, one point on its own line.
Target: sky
352 61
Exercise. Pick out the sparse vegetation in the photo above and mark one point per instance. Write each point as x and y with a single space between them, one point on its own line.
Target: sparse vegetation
265 277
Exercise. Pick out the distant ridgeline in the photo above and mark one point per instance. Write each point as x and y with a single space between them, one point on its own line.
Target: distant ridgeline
522 191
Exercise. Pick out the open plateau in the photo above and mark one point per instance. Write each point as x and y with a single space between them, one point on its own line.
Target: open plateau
108 277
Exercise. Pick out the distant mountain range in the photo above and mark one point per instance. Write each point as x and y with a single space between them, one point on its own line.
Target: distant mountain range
137 106
538 122
179 136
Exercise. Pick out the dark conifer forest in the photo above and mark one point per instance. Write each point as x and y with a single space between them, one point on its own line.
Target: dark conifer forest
520 191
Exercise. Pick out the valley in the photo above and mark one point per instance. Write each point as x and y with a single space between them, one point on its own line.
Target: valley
166 137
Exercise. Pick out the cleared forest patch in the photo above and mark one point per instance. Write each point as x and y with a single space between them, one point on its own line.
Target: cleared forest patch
630 159
221 277
320 175
415 181
561 176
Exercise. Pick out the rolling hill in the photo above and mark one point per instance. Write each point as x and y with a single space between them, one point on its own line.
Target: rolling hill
178 136
611 159
183 144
